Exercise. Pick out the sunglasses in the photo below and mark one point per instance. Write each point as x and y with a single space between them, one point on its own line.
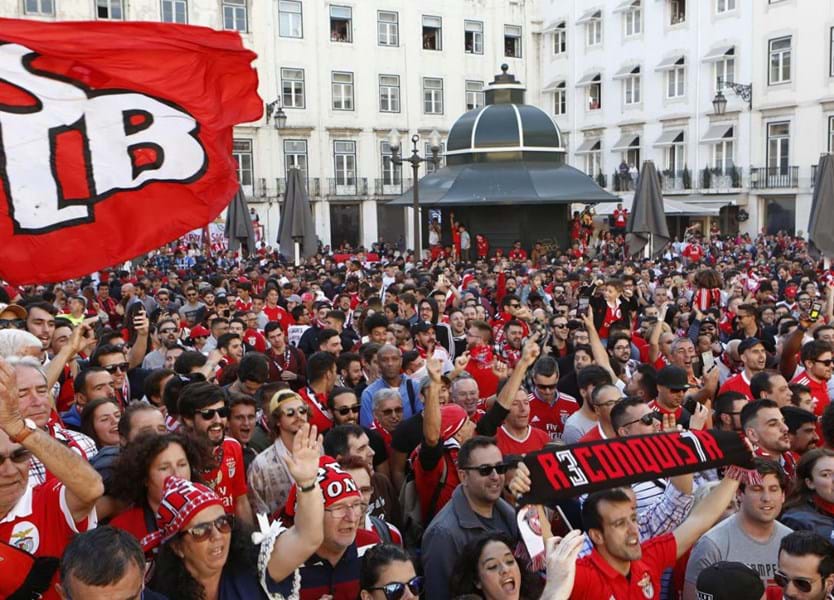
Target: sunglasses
803 585
388 412
647 419
515 305
395 591
560 326
18 457
344 410
827 362
202 532
123 367
486 470
12 323
167 330
544 387
208 413
291 412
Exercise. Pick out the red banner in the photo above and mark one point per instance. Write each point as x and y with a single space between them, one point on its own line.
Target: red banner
115 138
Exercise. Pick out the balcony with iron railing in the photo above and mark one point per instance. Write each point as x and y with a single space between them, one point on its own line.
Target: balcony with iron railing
390 187
622 182
351 187
717 179
676 180
765 178
313 186
600 179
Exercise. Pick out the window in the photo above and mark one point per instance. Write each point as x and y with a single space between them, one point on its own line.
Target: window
292 88
473 37
290 22
778 148
430 166
234 15
676 155
474 94
676 80
722 156
174 11
725 70
512 41
593 31
392 174
560 39
831 53
595 95
432 33
242 153
39 7
723 6
831 134
342 85
560 99
341 24
110 9
344 154
593 161
388 28
432 96
631 88
780 60
633 21
389 93
295 156
678 11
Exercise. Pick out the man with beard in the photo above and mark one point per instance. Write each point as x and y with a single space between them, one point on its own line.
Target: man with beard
344 406
509 349
727 410
751 536
764 425
619 351
457 325
204 413
802 430
425 342
817 359
754 358
805 569
286 363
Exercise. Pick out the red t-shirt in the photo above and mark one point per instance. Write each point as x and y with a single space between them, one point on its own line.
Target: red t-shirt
278 313
255 338
594 434
228 479
480 367
819 391
133 521
243 305
737 383
597 580
318 416
534 440
552 418
678 412
427 481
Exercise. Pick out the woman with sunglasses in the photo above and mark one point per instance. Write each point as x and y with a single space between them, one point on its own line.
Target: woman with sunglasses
269 479
388 574
204 553
811 505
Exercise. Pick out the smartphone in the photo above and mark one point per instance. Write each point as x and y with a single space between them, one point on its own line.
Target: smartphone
583 303
707 360
559 524
816 308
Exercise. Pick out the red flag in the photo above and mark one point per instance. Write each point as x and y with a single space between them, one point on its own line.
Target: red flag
115 138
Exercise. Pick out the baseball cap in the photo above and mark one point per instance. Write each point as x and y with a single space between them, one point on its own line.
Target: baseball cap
673 377
294 298
199 331
748 343
728 580
421 327
17 310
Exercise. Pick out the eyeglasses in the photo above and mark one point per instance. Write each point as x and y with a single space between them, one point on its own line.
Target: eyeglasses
515 305
344 410
12 323
388 412
202 532
827 362
208 413
486 470
395 591
340 512
291 412
647 419
801 584
18 457
168 330
545 388
122 367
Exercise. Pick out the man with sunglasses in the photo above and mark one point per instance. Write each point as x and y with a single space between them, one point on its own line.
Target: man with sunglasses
167 335
817 358
476 508
204 411
550 408
805 568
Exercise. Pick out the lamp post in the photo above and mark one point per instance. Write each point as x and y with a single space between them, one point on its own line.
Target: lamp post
742 90
275 111
394 141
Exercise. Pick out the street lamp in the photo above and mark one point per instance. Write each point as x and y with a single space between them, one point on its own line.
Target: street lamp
394 142
743 91
275 111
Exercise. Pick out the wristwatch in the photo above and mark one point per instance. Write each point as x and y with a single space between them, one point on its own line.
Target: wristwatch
29 428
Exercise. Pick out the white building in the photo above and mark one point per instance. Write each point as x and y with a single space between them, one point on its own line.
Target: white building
345 72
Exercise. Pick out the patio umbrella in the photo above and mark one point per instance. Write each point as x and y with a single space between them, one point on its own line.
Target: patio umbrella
647 221
239 227
297 234
821 222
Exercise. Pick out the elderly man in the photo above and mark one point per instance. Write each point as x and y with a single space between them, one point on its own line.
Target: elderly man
465 394
388 413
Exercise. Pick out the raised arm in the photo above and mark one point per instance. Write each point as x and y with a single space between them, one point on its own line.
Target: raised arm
529 354
705 514
597 349
431 409
80 338
140 347
654 338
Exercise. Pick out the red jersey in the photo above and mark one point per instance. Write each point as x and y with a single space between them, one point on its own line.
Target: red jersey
535 439
317 403
551 418
255 338
482 246
278 313
427 481
620 217
517 255
245 305
819 391
228 478
678 412
693 252
594 434
612 315
737 383
597 580
480 367
133 521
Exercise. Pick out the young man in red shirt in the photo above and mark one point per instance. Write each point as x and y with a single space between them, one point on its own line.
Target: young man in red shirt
549 408
817 359
754 358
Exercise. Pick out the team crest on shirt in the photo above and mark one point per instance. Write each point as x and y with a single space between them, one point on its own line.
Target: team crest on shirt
231 466
563 415
646 585
26 537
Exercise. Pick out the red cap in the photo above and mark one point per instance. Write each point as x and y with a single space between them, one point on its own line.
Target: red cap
199 331
452 418
335 485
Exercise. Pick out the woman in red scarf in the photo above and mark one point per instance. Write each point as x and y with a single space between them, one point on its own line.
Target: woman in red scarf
811 505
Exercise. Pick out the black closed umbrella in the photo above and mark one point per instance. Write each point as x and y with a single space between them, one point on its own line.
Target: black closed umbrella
239 229
647 221
821 222
297 234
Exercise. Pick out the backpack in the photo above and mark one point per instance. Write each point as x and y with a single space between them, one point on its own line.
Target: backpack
413 525
382 529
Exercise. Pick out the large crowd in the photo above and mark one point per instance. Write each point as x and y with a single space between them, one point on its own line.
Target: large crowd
198 425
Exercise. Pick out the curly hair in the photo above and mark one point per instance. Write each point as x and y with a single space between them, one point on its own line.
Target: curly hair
709 279
130 474
172 579
465 574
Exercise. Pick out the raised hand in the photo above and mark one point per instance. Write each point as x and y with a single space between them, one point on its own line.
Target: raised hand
531 350
462 361
9 398
500 369
303 463
561 565
520 483
699 418
434 366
